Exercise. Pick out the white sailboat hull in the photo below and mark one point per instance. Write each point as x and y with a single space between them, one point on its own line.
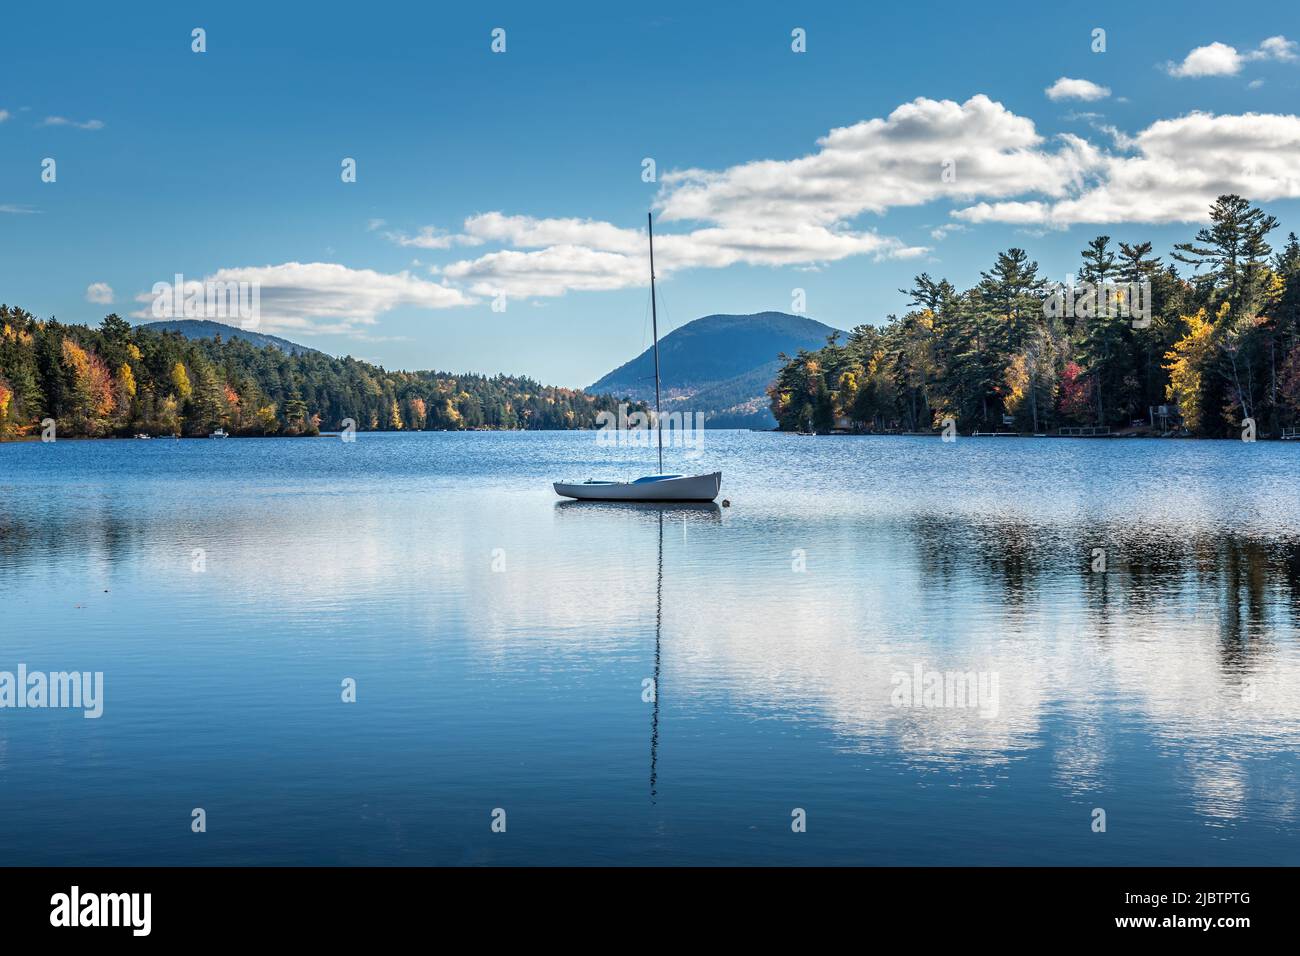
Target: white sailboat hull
652 488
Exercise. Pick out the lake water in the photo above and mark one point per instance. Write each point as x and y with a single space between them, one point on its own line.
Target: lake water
501 642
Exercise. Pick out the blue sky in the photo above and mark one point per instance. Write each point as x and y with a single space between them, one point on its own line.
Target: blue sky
227 163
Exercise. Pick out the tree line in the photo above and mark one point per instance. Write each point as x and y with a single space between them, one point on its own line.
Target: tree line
1218 347
118 380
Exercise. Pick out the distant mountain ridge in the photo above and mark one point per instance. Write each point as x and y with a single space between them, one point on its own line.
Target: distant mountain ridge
720 365
207 329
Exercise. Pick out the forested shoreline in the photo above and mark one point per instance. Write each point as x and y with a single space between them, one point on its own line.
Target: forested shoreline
1221 346
117 380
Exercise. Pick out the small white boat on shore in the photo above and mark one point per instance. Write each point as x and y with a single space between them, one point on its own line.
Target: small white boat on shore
219 433
658 487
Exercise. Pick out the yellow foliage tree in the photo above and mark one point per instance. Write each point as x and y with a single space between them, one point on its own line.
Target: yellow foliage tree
1017 382
450 415
846 391
126 380
1187 360
76 359
267 423
181 381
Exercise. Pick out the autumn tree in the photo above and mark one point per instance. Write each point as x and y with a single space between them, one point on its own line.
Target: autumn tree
1187 359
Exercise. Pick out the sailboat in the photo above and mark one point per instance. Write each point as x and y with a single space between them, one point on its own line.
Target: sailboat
657 487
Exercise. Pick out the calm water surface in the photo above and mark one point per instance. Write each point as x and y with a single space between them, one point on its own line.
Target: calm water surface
500 639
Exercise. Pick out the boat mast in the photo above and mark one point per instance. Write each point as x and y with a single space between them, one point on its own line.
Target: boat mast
654 319
659 626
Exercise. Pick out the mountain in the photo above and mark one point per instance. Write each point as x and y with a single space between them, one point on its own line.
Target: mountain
720 365
204 329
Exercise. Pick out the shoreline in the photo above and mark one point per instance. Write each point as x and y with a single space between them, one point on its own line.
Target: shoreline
29 439
1121 437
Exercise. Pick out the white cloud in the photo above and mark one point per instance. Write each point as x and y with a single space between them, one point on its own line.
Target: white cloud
100 293
943 232
551 271
428 238
1177 169
1016 213
719 247
325 297
797 213
4 115
1071 89
804 212
1220 59
881 163
1278 48
617 258
64 121
1215 59
529 233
